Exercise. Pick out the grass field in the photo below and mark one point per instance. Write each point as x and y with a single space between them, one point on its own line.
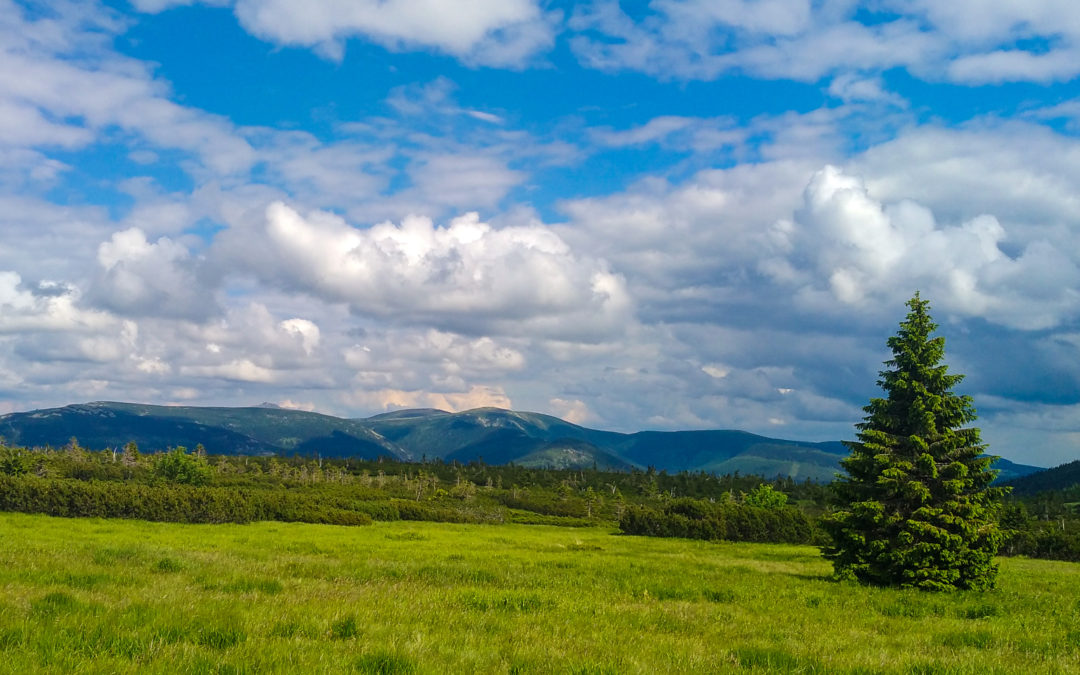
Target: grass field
128 596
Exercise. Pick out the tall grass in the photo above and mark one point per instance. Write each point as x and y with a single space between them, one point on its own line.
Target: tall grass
407 597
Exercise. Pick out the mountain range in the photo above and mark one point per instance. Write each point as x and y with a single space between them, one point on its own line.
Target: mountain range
493 435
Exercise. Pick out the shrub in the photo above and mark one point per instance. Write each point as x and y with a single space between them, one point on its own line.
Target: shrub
699 519
177 466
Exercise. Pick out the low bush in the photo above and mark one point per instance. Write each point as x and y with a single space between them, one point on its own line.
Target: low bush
171 503
700 519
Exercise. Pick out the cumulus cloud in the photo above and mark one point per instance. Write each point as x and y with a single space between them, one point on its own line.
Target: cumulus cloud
22 311
865 251
457 353
684 247
306 331
407 359
140 278
43 240
63 347
466 276
1022 173
253 333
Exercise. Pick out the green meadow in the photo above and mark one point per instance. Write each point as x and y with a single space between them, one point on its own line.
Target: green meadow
120 596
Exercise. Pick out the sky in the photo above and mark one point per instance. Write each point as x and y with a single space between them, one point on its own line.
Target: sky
640 215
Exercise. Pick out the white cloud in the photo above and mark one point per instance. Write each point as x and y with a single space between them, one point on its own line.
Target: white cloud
407 359
781 39
252 332
23 125
673 242
306 331
462 180
467 276
483 32
852 87
24 312
574 411
654 130
1022 173
1016 65
977 22
969 42
62 86
141 278
344 172
243 370
1013 423
1067 110
864 251
156 6
716 370
478 396
434 98
43 240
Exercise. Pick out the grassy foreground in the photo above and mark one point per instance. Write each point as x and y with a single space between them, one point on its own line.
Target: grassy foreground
404 597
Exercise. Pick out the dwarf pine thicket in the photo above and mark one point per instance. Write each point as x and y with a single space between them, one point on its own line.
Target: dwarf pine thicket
72 481
189 487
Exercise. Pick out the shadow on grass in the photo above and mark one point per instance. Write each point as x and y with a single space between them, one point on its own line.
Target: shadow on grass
810 577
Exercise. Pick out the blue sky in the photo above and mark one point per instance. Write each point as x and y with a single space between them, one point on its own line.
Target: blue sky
670 215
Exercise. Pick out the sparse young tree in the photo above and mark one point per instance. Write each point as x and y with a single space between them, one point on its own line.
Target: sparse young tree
130 456
917 509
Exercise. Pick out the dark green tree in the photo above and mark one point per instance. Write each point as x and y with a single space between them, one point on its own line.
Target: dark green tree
764 496
15 461
916 508
178 466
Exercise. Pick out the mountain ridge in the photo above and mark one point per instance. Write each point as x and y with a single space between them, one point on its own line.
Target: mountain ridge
493 435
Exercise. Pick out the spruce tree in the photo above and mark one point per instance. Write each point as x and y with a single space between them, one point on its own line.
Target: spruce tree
916 508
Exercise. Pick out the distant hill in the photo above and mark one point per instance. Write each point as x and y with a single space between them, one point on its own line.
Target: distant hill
228 431
493 435
1058 478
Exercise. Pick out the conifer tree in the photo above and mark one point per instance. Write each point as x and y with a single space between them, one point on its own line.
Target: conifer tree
916 507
